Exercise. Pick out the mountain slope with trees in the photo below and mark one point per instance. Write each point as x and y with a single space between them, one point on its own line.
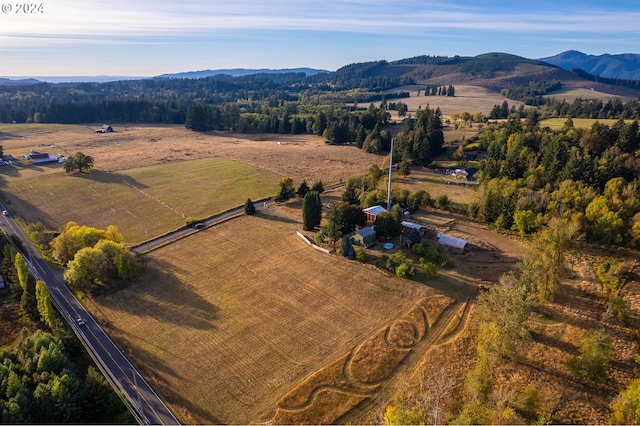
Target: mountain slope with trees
624 66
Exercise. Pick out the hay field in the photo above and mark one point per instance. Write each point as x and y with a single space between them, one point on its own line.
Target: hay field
572 93
297 156
580 123
226 322
147 180
143 202
468 98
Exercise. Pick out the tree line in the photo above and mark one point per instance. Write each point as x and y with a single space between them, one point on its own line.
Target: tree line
46 375
588 176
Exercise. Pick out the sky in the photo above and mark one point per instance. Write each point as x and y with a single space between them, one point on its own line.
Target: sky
139 38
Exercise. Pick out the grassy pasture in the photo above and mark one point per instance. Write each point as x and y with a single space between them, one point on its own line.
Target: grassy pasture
226 322
143 202
571 93
580 123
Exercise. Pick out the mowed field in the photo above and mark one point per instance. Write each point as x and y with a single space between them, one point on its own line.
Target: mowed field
580 123
143 202
228 320
151 180
468 98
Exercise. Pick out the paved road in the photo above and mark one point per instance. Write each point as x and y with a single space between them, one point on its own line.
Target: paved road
184 232
143 402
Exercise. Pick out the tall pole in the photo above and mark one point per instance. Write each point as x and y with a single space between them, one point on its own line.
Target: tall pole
390 164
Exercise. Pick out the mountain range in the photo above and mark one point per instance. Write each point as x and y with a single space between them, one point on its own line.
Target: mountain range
623 66
494 71
233 72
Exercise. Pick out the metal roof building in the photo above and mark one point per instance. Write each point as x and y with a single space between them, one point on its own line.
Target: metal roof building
451 241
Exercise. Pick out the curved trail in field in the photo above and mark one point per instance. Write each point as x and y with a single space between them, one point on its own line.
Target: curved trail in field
357 382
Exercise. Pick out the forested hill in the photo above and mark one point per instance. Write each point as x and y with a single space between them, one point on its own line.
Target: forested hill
166 100
623 66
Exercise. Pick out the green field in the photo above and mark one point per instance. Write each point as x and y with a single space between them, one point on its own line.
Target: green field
142 203
580 123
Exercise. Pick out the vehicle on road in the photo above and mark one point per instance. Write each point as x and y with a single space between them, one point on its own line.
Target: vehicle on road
5 213
80 322
198 225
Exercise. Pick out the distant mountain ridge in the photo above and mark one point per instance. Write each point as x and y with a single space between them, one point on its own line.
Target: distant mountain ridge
233 72
623 66
239 72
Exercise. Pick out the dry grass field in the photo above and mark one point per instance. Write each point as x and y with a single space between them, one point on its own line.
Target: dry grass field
468 98
297 156
150 180
571 93
245 323
226 322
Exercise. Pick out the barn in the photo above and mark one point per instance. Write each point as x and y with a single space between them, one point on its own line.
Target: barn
373 212
363 236
452 241
40 157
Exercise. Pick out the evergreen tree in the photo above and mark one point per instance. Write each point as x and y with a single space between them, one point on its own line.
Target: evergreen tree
249 208
311 210
451 91
302 189
347 248
318 186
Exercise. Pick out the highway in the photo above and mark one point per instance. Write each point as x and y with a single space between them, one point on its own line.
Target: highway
145 405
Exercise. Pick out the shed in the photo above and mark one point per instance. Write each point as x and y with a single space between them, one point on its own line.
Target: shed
451 241
106 128
408 226
373 212
363 236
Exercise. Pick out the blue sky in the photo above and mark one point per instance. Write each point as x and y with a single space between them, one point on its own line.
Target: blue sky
146 38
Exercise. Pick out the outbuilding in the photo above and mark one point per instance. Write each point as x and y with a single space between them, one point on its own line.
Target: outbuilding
451 241
373 212
106 128
408 226
363 236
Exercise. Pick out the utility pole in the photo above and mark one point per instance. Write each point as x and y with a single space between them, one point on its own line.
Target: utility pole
390 167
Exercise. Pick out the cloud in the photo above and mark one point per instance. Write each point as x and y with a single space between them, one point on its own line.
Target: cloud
77 22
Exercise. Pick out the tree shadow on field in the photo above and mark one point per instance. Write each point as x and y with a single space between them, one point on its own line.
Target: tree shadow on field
264 215
101 176
160 295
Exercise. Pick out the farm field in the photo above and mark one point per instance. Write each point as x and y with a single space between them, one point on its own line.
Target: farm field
226 322
143 202
572 93
145 177
581 123
468 98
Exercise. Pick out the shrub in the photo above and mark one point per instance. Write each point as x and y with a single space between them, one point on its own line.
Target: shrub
442 202
596 353
405 270
362 255
429 268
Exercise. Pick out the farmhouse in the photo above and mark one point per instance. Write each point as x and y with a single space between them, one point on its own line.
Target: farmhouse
408 226
363 236
373 212
106 128
40 157
452 241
